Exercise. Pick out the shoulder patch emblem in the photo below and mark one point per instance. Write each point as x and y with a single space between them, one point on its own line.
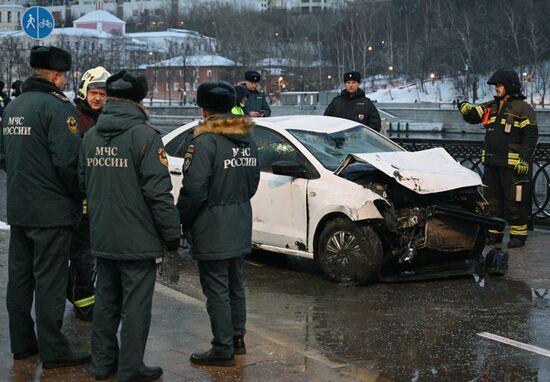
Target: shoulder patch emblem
162 157
71 124
60 96
187 158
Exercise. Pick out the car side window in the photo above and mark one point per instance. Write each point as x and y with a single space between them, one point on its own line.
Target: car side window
273 147
178 145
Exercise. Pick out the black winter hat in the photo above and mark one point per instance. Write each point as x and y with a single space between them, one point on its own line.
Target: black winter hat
128 85
217 96
352 76
16 87
242 92
252 76
50 57
507 77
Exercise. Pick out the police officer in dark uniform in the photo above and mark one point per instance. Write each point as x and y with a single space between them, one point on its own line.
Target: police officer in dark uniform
221 174
511 136
353 104
39 149
256 104
123 169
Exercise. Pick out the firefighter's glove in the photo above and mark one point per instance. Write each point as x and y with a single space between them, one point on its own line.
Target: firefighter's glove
172 245
522 167
465 107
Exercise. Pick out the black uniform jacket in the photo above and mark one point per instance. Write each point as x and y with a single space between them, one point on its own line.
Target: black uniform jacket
39 148
256 101
221 174
123 170
510 130
355 107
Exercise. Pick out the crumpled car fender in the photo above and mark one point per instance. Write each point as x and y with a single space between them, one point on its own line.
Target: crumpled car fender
357 204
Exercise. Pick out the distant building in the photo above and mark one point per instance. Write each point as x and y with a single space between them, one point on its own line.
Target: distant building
178 78
310 6
101 20
182 40
10 17
64 11
99 38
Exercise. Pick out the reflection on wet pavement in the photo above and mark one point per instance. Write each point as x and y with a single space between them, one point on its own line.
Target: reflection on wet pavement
409 331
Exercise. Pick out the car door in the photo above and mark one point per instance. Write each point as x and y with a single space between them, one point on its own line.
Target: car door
280 204
175 150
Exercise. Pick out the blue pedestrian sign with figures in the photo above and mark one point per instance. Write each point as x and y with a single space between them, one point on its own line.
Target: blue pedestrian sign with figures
37 22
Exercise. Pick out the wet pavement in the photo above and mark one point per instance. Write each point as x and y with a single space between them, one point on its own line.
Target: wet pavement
417 331
303 327
179 327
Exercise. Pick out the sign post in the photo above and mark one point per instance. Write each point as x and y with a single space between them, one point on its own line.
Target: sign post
37 22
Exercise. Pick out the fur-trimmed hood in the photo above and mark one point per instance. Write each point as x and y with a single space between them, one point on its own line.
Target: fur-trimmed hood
233 127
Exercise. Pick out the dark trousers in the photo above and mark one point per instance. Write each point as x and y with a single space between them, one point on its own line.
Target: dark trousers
124 292
81 289
38 264
502 185
222 284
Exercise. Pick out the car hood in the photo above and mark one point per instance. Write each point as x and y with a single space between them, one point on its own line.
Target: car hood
424 172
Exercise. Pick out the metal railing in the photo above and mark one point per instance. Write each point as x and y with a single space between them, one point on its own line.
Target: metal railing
468 153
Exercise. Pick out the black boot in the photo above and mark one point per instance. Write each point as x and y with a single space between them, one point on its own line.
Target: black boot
84 314
74 359
145 374
26 354
516 241
212 359
238 345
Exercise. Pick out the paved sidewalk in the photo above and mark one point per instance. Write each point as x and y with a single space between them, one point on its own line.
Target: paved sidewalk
180 326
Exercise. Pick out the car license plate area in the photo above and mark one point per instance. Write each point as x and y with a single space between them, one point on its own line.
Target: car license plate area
449 235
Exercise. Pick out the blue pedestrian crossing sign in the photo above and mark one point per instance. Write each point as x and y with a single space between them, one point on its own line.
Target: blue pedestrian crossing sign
37 22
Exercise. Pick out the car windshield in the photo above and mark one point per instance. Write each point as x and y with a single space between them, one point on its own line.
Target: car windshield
332 148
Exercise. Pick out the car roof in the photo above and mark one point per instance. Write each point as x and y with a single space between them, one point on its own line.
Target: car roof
317 123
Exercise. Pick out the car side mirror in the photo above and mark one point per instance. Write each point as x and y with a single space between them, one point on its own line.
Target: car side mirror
289 168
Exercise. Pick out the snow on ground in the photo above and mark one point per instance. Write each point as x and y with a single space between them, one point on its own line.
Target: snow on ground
4 226
440 90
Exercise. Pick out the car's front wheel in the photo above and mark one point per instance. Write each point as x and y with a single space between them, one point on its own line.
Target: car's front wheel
349 252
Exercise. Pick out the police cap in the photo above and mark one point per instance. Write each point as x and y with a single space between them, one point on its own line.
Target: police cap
127 85
352 76
50 57
252 76
216 96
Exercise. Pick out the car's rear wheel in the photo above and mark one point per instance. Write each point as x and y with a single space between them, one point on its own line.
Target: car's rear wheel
349 252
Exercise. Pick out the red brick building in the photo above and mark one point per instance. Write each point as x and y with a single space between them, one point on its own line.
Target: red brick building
177 79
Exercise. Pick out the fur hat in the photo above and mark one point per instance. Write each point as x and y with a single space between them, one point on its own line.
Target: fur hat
128 85
217 96
252 76
352 76
50 57
507 77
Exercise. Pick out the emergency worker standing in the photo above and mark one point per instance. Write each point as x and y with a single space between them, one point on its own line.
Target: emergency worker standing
511 136
80 291
221 174
256 104
123 168
242 95
39 149
353 104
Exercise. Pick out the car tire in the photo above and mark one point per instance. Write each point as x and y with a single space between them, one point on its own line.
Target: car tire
349 252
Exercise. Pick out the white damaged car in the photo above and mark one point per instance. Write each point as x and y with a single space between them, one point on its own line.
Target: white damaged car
361 205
